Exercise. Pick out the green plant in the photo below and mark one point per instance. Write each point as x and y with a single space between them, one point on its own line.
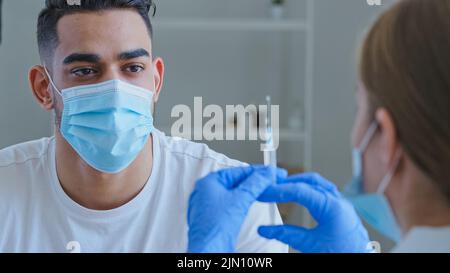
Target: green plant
278 2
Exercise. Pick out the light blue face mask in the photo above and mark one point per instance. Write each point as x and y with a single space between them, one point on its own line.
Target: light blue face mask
107 124
374 208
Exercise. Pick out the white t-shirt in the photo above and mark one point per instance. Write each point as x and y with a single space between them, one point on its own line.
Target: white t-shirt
36 214
425 240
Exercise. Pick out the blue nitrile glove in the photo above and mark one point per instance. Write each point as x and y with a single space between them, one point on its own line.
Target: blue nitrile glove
219 204
338 229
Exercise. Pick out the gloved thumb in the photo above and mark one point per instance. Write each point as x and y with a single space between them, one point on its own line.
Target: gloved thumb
295 237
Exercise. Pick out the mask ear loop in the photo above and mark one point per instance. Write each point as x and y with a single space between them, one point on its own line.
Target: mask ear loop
154 82
55 117
363 145
388 177
368 136
51 81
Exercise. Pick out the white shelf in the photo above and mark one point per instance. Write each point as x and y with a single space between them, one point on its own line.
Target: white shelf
285 134
291 135
231 24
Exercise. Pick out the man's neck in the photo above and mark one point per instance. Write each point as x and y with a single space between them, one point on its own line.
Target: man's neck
100 191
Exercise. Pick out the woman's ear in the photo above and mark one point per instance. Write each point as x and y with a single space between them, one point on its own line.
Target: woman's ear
389 143
158 76
39 84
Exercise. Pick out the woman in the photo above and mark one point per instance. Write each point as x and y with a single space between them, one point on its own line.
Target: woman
401 160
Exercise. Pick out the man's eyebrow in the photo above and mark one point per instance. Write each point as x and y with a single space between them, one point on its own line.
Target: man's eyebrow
82 57
131 54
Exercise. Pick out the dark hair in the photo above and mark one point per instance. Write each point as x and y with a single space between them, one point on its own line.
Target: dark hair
47 34
405 67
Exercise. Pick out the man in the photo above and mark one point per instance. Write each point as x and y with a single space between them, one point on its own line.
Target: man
107 181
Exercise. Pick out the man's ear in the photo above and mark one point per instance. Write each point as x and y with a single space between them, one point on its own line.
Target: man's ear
158 76
39 84
389 142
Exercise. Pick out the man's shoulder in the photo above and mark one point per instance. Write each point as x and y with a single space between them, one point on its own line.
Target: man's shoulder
22 162
20 165
19 156
197 152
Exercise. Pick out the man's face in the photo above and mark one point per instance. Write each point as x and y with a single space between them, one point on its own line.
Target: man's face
100 46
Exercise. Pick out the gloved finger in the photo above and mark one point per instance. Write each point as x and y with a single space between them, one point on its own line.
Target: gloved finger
279 173
254 185
233 177
314 199
311 179
290 235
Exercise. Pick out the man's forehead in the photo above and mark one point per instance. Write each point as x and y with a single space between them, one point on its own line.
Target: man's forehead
107 32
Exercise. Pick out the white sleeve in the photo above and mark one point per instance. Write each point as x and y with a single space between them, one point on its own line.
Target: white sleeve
249 239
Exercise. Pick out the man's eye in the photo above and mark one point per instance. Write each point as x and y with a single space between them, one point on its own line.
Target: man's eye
83 72
135 68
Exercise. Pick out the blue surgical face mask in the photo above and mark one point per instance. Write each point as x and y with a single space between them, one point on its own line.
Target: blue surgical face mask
107 124
374 208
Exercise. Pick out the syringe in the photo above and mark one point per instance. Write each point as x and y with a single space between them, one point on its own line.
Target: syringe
270 153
